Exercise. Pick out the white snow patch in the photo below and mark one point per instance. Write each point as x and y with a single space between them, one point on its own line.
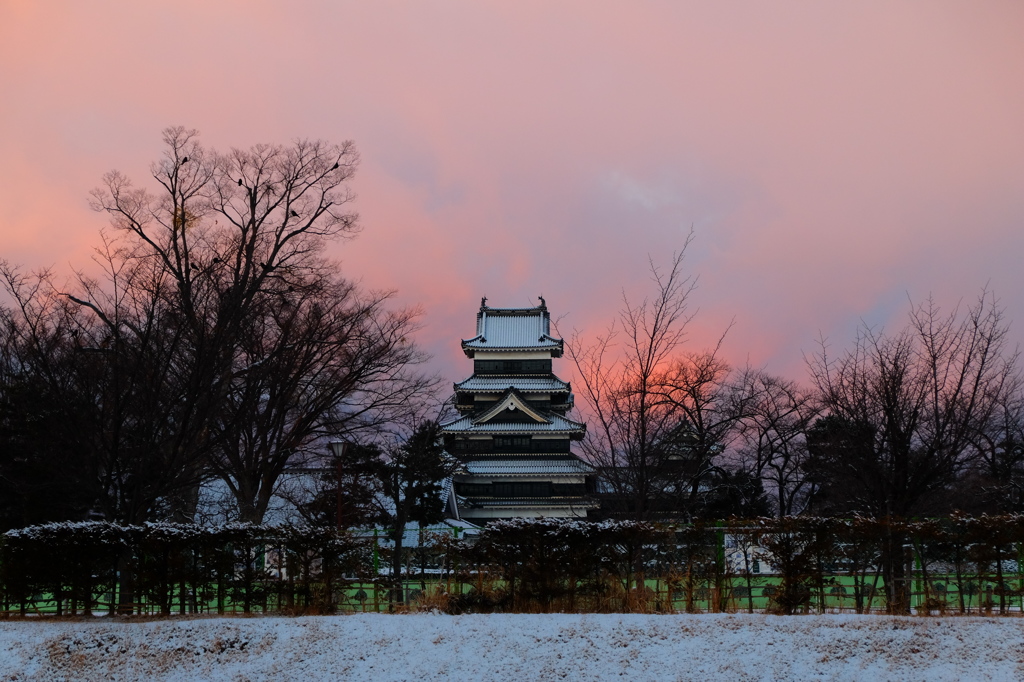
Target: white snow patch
517 647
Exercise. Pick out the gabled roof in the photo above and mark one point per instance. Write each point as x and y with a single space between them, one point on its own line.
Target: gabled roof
512 401
556 424
513 329
498 383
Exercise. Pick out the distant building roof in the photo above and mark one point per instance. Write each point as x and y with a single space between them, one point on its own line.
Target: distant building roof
533 504
512 329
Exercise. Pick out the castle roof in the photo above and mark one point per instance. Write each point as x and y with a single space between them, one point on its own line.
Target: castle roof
499 383
513 329
554 424
529 467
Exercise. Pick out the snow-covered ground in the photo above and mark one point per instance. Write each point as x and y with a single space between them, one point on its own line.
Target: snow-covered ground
517 647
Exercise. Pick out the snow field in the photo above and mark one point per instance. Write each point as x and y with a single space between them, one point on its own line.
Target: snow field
522 648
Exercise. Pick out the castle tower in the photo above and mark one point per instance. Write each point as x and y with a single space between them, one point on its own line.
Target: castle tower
513 437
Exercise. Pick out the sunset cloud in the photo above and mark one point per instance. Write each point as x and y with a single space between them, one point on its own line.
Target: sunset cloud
833 159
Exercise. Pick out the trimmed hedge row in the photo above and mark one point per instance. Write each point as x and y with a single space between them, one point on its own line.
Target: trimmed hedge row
801 563
80 568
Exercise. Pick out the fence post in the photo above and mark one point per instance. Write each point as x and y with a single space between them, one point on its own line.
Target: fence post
720 577
919 579
1020 574
376 574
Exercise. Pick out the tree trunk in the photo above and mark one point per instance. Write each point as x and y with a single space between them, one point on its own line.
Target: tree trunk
396 564
894 567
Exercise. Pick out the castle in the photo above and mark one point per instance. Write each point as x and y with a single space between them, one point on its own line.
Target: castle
512 435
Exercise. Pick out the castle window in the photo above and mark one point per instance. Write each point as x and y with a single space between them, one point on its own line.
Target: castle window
540 489
511 441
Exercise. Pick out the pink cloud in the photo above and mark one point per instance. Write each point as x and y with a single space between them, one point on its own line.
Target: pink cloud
832 158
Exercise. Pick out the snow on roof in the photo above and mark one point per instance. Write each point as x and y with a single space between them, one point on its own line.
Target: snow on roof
446 489
535 503
512 401
557 424
497 383
536 467
513 329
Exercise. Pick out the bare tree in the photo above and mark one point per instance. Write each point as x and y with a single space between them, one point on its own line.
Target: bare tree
997 480
712 400
332 363
636 428
657 416
918 401
773 443
107 366
45 472
904 414
278 206
277 348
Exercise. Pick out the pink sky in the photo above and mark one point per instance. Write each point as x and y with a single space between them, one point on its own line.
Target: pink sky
834 158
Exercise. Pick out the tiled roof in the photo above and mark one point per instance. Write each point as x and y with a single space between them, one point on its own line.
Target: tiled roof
513 329
446 488
535 502
517 456
512 401
528 467
497 383
558 424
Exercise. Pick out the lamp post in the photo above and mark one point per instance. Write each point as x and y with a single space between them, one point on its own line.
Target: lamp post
339 448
